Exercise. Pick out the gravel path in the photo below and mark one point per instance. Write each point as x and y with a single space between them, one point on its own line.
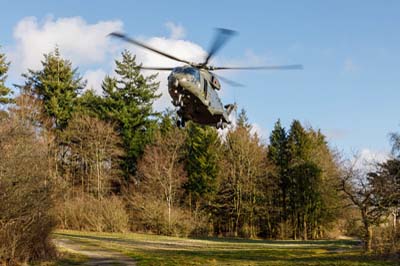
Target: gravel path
96 256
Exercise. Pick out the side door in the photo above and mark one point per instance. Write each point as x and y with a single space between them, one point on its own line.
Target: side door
205 89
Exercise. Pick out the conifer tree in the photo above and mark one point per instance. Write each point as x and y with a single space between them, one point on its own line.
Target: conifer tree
57 85
4 91
311 171
167 121
299 177
89 103
298 143
202 147
278 156
128 100
243 120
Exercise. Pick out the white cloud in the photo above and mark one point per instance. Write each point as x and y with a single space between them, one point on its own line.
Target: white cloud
94 79
368 155
177 31
79 41
261 132
367 159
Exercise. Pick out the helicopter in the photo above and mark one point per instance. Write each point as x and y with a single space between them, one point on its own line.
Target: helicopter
194 87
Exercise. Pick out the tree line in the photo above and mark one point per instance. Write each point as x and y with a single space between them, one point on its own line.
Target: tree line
110 162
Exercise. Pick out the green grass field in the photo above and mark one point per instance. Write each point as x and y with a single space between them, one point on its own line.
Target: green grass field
162 250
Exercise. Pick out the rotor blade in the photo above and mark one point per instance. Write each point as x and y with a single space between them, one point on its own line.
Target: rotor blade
126 38
155 68
228 81
221 37
285 67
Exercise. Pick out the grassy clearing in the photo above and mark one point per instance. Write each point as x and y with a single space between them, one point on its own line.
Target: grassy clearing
162 250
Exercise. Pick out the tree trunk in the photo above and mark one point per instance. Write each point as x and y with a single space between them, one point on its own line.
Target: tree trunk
394 213
367 236
304 228
98 174
190 203
284 214
169 216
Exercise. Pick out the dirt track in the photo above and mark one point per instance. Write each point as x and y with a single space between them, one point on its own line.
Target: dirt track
96 256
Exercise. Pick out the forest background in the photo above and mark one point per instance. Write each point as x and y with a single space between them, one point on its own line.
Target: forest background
76 159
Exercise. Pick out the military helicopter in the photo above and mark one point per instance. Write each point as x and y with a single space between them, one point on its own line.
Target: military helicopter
193 87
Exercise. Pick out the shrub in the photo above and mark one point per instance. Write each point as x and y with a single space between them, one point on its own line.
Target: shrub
385 240
26 194
91 214
151 215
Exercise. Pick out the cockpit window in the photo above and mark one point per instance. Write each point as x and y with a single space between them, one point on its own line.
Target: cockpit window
195 73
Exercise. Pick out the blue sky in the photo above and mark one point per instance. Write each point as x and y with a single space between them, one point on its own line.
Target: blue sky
350 85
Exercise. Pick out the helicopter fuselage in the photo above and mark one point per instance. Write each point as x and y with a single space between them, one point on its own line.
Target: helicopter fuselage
193 91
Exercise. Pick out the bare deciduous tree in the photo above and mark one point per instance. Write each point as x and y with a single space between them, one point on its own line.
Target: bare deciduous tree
162 170
358 189
90 154
26 192
243 169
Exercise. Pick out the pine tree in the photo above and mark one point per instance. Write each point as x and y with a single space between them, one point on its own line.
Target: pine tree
128 100
57 85
243 120
167 121
202 147
279 156
89 103
312 171
4 91
298 143
299 171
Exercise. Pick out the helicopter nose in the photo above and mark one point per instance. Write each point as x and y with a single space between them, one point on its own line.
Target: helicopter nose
173 81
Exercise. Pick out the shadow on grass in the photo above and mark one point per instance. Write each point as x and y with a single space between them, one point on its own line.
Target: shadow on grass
327 244
130 242
281 242
257 257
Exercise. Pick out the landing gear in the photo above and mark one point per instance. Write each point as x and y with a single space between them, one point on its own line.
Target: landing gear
221 125
179 101
180 122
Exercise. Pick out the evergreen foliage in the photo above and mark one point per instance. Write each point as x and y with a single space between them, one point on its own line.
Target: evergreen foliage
278 154
202 147
243 120
57 85
128 100
5 92
303 168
